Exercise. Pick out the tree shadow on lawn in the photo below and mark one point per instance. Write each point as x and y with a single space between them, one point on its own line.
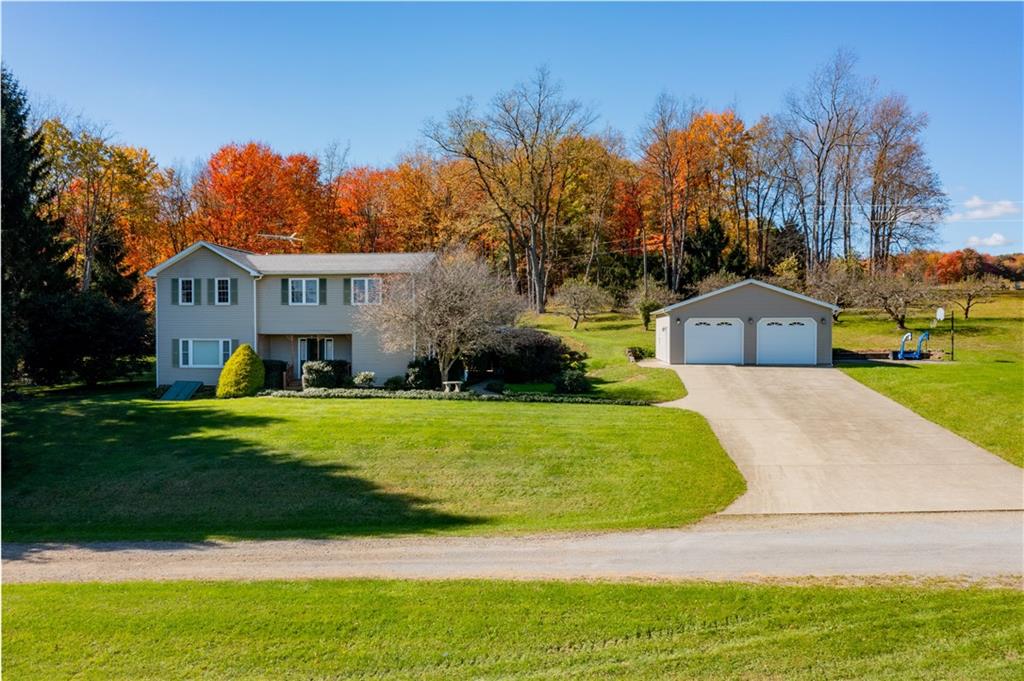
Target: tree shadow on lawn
112 469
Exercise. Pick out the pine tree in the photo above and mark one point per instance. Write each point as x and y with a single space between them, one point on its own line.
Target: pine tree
111 274
34 256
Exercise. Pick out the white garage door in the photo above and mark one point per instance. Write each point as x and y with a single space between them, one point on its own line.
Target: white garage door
787 340
713 340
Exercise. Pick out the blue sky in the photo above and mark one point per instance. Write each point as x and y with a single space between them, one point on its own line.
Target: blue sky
184 79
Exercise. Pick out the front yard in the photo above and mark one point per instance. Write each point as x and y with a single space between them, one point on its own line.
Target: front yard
469 629
117 466
978 396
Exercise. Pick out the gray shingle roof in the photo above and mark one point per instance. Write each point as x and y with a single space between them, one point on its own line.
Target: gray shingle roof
308 263
337 263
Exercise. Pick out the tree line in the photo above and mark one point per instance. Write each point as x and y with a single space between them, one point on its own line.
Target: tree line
527 181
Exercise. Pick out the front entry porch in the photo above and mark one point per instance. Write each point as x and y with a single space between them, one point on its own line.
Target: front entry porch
295 349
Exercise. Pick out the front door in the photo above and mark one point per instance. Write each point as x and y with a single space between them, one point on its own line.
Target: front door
313 348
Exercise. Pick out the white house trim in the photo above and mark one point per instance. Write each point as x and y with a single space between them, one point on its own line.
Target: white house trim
195 247
770 287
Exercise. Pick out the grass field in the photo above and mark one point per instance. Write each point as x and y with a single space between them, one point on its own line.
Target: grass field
605 339
455 630
980 395
121 467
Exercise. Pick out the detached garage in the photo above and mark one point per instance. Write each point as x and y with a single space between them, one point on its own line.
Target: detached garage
749 322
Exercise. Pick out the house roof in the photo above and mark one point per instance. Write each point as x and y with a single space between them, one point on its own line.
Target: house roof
745 282
340 263
305 263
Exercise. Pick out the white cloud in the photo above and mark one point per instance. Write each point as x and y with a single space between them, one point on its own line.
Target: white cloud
996 239
980 209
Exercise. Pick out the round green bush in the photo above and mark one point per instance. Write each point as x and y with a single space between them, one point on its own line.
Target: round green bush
571 381
395 383
242 375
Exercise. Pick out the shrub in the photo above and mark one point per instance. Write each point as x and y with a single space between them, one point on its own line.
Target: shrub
395 383
497 387
525 355
342 371
640 351
423 374
365 379
571 381
352 393
273 372
317 374
242 375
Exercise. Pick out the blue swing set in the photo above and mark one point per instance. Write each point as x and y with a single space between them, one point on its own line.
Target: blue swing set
907 354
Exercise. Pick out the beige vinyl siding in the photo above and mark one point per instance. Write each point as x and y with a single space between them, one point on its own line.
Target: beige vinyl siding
201 320
336 317
751 303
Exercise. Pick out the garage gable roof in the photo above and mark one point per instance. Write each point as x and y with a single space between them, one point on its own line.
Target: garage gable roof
746 282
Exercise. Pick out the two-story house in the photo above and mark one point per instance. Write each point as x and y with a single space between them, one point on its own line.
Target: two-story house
210 298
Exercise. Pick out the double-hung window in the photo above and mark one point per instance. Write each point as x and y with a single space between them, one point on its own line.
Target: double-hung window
222 291
186 292
208 353
366 291
304 291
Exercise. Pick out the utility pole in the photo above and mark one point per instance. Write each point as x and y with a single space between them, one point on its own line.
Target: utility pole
952 335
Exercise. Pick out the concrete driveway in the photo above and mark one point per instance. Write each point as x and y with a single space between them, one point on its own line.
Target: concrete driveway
813 440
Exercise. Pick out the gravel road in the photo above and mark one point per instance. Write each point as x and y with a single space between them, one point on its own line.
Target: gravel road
920 545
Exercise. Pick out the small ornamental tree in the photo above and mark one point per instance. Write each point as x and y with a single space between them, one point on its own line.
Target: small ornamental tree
450 309
894 293
578 299
242 375
972 290
646 299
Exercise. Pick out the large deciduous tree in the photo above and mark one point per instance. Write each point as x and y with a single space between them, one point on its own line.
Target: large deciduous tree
520 149
450 309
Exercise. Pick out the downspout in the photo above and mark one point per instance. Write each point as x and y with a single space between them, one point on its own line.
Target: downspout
156 329
255 337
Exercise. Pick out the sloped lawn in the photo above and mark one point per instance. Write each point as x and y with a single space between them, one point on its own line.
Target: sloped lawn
118 466
605 339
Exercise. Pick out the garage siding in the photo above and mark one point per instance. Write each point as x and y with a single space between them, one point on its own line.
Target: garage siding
750 303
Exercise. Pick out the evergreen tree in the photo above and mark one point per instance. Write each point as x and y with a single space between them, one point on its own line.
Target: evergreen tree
111 275
708 252
34 256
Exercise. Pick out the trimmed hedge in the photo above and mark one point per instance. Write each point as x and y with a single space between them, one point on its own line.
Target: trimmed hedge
273 372
242 375
524 355
316 374
371 394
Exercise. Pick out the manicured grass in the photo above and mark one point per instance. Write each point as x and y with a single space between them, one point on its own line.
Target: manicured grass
979 395
456 630
117 467
605 339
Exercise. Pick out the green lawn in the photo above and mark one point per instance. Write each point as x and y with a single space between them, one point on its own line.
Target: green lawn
122 467
468 629
605 339
980 395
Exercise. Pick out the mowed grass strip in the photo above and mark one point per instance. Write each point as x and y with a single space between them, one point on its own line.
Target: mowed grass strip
979 396
605 338
121 467
470 629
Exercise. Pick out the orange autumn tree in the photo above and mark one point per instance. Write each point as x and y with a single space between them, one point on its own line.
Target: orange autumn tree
363 198
249 190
